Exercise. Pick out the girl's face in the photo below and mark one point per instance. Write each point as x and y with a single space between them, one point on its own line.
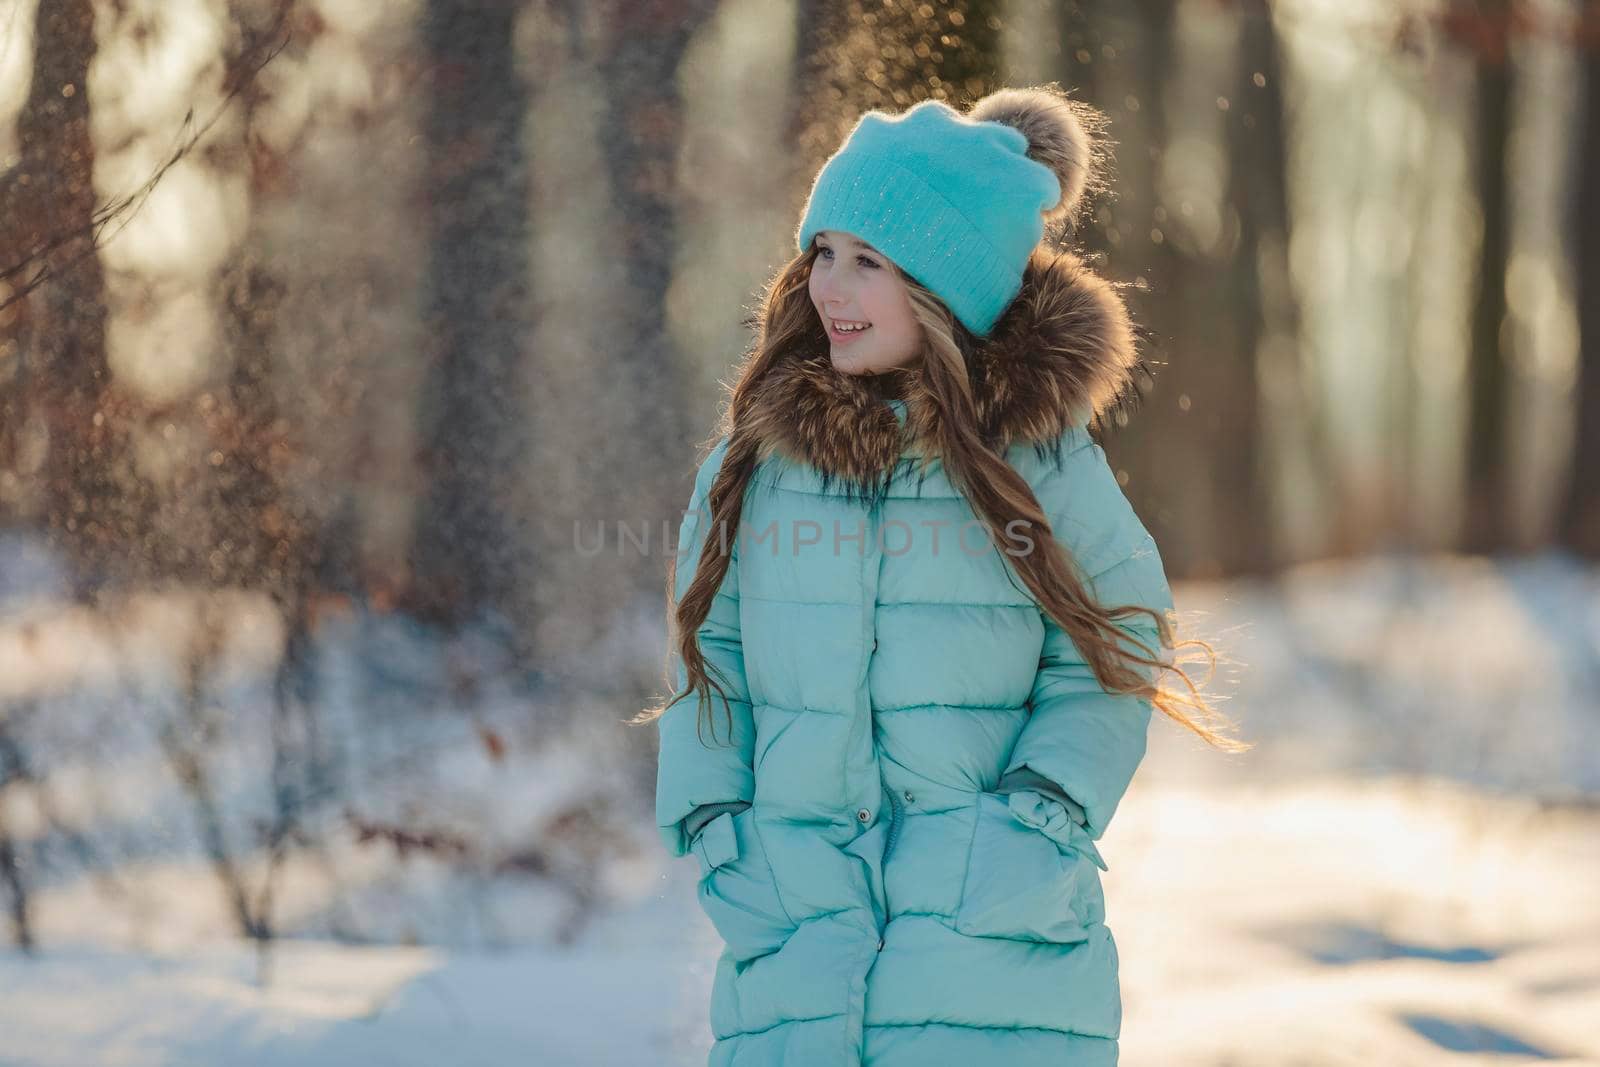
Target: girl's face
853 284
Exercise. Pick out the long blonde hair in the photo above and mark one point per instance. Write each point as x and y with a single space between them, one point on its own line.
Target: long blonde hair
997 493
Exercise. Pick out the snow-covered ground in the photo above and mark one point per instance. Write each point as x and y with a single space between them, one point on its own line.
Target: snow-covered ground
1405 870
1331 922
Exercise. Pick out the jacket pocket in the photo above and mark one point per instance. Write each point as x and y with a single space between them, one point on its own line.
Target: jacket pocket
737 889
1031 872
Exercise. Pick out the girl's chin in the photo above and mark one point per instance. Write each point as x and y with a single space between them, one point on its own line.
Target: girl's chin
845 364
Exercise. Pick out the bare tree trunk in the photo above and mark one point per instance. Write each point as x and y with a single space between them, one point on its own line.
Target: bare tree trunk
1210 379
1258 303
473 419
1580 513
1081 30
186 744
279 544
14 773
1487 496
1132 90
641 135
90 498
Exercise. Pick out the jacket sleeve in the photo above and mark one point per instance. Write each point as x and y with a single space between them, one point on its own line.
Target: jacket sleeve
1081 737
691 772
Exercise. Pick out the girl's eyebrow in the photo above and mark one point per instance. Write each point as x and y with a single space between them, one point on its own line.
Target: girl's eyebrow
859 244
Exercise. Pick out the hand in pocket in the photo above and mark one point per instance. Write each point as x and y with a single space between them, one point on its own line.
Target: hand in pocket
1029 876
737 889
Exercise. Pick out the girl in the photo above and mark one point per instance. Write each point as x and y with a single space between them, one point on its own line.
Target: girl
933 625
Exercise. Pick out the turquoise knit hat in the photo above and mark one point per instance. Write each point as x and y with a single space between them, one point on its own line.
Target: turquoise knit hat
959 202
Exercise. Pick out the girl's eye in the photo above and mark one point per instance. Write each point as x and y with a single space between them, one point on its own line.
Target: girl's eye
825 251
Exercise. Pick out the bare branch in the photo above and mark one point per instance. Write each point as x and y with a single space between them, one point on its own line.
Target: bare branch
252 60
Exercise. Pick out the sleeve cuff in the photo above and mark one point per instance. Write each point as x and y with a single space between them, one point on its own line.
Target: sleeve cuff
696 819
1026 777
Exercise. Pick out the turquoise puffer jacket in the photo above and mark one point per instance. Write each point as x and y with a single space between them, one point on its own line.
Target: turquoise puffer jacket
883 899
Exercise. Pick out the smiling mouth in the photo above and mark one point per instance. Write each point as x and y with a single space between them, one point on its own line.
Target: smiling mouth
839 335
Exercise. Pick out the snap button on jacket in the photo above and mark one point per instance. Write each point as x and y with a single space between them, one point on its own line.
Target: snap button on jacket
880 902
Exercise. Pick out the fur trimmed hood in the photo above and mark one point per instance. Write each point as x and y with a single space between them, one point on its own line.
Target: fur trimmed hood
1063 354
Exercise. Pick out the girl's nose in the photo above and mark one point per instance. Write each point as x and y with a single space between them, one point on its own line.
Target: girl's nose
830 292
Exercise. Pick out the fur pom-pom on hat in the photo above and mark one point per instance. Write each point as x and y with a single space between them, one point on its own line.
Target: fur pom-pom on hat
1063 134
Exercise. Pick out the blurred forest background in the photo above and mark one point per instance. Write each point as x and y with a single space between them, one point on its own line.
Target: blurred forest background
332 331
